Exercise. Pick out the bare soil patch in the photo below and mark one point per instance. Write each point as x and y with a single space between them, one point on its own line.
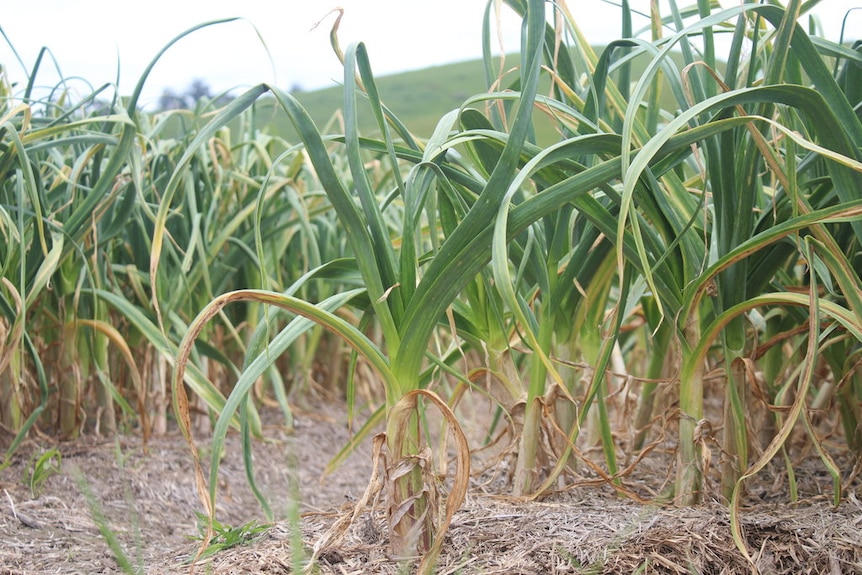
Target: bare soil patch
149 502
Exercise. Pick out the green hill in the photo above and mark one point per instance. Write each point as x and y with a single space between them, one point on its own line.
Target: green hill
418 98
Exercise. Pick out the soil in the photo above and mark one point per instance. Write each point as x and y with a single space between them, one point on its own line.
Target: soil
145 500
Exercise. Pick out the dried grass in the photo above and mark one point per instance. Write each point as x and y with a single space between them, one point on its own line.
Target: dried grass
149 501
600 534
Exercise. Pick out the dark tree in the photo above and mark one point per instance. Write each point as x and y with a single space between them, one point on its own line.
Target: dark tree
170 100
199 90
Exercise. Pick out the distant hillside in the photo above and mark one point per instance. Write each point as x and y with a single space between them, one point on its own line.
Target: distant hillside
418 98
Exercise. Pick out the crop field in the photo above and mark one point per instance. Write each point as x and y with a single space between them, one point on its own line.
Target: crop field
564 311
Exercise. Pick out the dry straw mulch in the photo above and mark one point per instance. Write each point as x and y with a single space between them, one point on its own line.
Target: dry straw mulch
593 534
148 500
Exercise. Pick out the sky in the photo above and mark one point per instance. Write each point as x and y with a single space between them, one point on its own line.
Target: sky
276 41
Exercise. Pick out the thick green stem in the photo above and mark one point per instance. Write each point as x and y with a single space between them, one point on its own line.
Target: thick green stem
107 417
527 465
735 442
11 415
565 411
689 473
505 387
70 379
656 368
411 517
158 392
771 365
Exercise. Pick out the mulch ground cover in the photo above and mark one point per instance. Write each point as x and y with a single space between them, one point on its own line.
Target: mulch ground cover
146 500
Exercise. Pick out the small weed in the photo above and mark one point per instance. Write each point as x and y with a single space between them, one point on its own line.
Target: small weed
40 469
97 513
227 537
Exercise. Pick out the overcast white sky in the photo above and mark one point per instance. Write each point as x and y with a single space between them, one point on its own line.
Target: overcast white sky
88 38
